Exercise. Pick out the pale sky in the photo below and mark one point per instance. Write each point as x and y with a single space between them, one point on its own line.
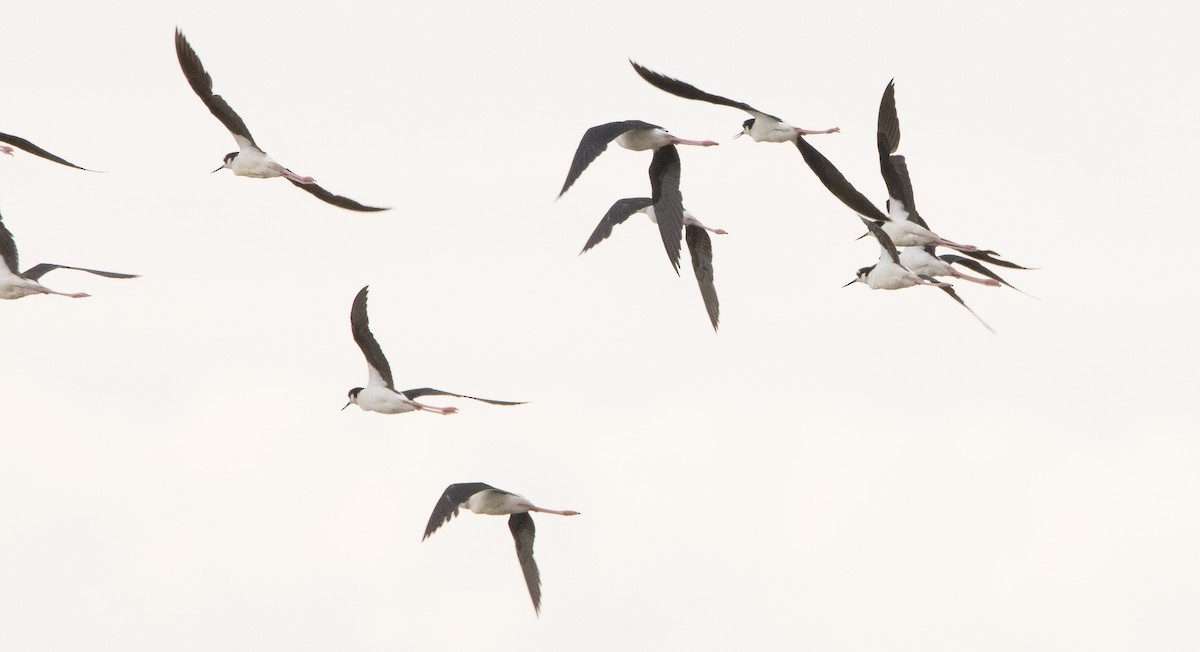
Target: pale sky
837 469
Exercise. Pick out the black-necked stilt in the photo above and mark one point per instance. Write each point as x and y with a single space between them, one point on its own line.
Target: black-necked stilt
666 210
481 498
21 143
922 260
630 134
249 161
902 231
696 235
761 127
380 395
891 274
15 284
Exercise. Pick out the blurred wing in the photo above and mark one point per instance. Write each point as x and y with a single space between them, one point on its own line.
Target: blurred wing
522 529
201 83
447 506
39 270
378 369
330 198
687 91
21 143
620 211
593 144
700 246
836 183
413 394
668 201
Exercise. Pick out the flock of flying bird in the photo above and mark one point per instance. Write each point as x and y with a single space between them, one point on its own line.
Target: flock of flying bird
908 248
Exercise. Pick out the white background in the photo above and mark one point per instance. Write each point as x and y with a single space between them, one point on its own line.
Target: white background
837 469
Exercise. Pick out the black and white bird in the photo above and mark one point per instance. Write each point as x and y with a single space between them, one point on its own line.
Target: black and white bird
21 143
889 273
481 498
922 260
760 127
902 231
250 160
380 395
666 210
631 134
15 284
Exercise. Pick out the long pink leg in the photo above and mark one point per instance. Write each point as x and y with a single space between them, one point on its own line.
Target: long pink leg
982 281
284 172
953 245
695 222
809 132
701 143
438 410
5 149
553 511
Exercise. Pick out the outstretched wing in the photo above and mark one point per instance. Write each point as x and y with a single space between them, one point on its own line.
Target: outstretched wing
201 83
620 211
8 249
21 143
978 267
700 246
668 200
523 532
687 91
377 365
413 394
447 506
593 144
889 123
39 270
836 183
330 198
954 295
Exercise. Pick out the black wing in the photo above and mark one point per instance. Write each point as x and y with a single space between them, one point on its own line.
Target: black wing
620 211
523 531
337 200
593 144
39 270
899 168
836 183
989 256
885 241
413 394
889 123
668 201
447 506
201 82
8 249
687 91
360 327
700 246
21 143
954 295
978 267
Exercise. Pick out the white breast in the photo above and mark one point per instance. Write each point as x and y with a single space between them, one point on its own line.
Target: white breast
643 139
383 400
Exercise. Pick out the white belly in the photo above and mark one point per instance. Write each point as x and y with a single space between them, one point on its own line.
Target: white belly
772 131
920 262
908 234
890 276
384 401
15 287
497 503
643 139
253 163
